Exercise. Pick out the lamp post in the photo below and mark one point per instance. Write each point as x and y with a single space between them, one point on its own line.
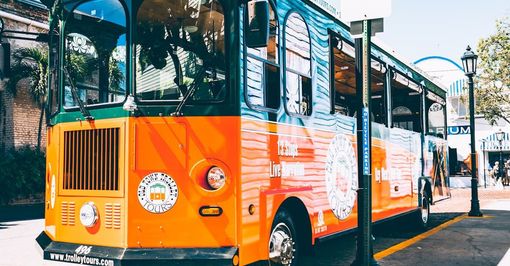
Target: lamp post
469 63
484 164
499 136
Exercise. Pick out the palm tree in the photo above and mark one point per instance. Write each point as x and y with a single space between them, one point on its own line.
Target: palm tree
31 64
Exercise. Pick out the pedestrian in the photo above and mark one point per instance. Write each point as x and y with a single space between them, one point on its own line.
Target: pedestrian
506 180
496 173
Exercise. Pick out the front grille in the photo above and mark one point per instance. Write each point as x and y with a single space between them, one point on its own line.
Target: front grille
91 159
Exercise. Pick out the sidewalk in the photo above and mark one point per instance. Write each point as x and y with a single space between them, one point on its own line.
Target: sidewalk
464 240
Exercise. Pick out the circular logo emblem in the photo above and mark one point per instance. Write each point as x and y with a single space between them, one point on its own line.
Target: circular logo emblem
157 192
341 176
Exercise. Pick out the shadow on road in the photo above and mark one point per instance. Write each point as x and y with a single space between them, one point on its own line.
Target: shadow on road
341 251
20 213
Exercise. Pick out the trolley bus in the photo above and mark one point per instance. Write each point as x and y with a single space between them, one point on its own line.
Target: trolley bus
223 132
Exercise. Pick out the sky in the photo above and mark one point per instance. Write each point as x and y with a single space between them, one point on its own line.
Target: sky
421 28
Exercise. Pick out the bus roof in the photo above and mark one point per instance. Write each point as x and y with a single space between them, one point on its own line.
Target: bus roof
388 55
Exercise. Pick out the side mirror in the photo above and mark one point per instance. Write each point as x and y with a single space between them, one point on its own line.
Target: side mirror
257 24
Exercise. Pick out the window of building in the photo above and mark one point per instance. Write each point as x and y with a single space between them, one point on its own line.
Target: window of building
36 3
298 66
263 70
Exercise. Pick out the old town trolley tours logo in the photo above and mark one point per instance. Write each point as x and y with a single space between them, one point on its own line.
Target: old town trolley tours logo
157 192
341 176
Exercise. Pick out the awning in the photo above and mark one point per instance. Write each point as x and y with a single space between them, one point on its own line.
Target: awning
492 143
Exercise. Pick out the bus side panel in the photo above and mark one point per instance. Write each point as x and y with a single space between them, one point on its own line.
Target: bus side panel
280 161
184 148
51 180
436 166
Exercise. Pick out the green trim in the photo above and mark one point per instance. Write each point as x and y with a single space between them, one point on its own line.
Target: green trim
98 114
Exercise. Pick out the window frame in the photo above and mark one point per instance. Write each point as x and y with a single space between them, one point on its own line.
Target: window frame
33 3
285 68
426 114
190 102
62 51
278 64
421 91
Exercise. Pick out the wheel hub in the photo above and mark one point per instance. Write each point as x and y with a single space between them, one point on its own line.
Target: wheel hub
281 245
424 212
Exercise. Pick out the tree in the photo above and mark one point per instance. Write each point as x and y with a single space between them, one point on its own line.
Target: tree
31 64
492 87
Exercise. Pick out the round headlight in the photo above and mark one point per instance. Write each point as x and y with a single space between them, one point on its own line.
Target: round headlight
88 214
216 178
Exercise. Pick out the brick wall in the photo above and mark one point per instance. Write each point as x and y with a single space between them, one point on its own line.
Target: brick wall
19 115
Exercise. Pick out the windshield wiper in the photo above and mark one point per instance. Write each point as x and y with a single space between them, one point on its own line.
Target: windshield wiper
74 93
190 91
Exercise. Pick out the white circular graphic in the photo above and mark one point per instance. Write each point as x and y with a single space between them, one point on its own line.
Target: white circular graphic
157 192
341 176
52 191
88 214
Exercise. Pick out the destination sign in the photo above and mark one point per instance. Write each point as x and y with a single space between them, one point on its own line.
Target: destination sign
332 7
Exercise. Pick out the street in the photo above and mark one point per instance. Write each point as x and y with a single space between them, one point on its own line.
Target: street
18 247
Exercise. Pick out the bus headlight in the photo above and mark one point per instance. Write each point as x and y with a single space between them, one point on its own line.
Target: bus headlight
88 214
216 177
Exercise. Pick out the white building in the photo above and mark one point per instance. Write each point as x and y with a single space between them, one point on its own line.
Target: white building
489 149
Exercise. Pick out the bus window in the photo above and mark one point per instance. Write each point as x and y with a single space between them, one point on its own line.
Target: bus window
344 77
180 45
406 102
95 53
298 66
378 101
263 70
436 119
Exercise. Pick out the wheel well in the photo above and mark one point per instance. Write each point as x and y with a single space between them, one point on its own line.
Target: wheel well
301 219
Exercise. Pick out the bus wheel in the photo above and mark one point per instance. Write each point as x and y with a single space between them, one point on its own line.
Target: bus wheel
283 244
424 212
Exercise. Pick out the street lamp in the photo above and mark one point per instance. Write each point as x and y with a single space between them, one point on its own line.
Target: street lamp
484 164
469 64
499 136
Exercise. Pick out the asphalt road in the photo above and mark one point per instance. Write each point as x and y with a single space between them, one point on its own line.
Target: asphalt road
466 242
342 250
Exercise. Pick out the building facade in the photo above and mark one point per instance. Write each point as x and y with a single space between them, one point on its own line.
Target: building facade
488 148
19 114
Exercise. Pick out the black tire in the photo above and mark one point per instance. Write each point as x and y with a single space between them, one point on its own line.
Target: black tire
423 214
284 225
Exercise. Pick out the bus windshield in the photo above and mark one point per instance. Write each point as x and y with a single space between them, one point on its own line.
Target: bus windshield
179 45
95 53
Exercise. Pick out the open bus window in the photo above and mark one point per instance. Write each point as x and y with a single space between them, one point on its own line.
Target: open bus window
406 102
344 77
378 101
95 53
180 45
436 119
344 82
298 66
263 70
54 44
